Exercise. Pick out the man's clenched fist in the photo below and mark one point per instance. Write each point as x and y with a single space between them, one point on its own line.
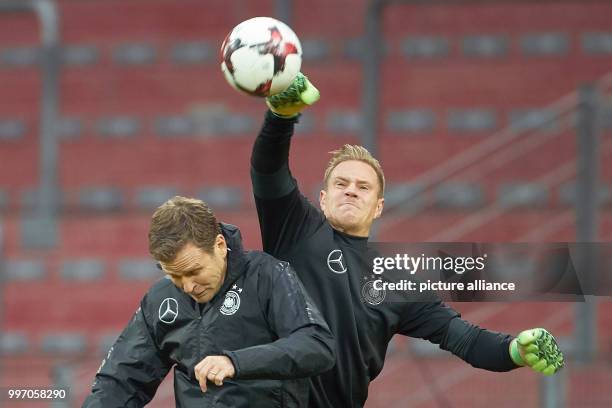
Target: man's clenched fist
538 349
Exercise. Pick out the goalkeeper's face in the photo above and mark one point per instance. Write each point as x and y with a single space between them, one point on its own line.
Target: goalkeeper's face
197 272
350 199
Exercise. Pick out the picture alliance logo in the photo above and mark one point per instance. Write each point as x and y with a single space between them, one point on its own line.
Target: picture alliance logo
412 264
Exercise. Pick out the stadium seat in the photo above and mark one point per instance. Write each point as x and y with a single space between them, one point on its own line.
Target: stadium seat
138 269
459 196
238 125
396 196
187 53
417 47
13 343
18 57
411 121
174 126
101 198
315 49
118 127
485 46
25 270
353 48
11 129
512 195
344 122
31 197
79 55
597 43
545 44
151 197
523 119
83 269
38 231
306 124
69 128
472 120
134 54
221 197
63 343
567 194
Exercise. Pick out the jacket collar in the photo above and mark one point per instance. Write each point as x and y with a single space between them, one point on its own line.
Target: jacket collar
236 258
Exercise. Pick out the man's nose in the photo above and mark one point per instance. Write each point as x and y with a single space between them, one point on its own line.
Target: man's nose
351 190
188 285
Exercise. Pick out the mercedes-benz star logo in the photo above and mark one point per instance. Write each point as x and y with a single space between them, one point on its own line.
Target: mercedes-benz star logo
168 310
335 261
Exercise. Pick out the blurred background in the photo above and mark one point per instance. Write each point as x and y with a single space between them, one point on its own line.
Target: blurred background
492 120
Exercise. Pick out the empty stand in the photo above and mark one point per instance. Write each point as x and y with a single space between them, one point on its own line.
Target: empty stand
145 115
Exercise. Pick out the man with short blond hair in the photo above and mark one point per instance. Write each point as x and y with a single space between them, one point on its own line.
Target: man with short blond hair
237 326
358 153
329 251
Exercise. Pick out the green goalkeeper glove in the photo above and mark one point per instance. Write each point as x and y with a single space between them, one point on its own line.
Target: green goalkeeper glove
537 349
291 101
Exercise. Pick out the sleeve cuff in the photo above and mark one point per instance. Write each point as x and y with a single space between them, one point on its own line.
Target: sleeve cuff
232 356
282 119
514 353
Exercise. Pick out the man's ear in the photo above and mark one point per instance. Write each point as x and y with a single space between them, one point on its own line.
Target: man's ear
379 207
322 199
220 243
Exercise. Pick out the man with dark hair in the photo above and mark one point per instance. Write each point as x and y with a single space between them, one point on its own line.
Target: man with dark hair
330 253
237 326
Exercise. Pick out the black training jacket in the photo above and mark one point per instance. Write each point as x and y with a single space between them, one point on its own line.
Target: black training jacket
336 270
261 318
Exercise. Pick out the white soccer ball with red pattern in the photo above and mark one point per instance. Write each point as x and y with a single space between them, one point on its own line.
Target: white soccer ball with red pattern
261 56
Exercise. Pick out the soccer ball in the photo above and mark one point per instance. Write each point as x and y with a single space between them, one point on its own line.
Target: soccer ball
261 56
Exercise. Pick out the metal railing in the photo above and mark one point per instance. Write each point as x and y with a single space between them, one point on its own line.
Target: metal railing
42 225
